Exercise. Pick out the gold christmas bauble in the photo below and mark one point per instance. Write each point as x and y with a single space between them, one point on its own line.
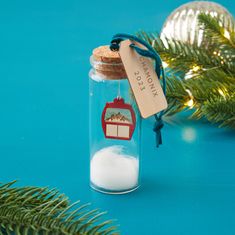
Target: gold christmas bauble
182 24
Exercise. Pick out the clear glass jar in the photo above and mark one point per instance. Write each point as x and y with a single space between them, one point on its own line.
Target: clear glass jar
114 128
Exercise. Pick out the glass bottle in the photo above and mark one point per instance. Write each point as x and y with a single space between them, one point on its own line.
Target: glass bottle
114 126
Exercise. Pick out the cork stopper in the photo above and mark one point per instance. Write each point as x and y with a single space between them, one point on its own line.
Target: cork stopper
108 63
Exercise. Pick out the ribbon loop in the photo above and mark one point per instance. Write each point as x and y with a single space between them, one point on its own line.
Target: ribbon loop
150 53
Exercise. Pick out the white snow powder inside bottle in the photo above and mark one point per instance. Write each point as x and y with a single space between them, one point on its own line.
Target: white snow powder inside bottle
111 169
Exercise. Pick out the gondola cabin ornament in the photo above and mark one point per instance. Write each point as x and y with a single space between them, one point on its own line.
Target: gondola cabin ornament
118 120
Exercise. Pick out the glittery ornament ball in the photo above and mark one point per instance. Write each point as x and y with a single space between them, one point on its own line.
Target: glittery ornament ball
182 24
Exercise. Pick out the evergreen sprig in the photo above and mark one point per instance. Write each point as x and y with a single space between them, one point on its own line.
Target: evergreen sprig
201 78
44 211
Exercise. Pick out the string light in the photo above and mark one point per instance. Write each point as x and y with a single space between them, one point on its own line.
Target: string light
164 64
222 93
188 75
196 68
189 103
192 72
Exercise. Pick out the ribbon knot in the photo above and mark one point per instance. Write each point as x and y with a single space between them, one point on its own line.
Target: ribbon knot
158 125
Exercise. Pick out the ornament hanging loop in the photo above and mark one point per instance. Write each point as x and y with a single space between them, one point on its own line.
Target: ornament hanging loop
150 53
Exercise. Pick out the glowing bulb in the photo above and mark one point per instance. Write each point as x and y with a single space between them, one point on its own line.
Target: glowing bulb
164 64
221 93
189 103
195 68
215 53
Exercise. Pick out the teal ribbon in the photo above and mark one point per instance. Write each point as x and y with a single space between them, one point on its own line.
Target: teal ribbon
150 53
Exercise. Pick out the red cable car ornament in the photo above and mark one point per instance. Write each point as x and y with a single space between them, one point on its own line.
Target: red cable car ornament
118 120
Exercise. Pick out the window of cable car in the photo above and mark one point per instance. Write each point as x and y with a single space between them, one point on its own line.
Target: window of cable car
118 122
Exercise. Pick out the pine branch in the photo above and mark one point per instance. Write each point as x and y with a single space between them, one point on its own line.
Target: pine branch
215 30
221 111
217 50
41 211
210 91
182 56
201 92
31 197
219 38
176 100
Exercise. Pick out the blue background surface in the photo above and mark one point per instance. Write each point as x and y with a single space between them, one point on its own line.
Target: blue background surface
188 185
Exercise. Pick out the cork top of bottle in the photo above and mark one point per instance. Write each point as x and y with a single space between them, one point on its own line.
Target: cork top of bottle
108 63
104 54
